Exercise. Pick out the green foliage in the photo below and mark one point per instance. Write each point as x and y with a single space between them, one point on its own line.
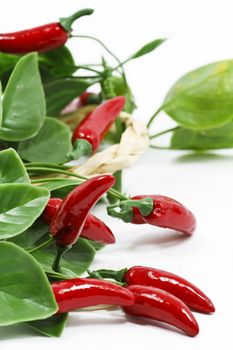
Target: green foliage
25 294
50 145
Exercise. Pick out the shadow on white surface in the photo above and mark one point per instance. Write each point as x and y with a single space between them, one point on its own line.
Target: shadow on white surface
165 239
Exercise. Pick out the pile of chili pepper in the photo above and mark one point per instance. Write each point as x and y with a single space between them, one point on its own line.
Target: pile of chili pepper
145 292
140 291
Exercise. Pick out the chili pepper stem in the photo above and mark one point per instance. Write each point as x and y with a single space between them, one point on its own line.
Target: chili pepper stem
117 275
144 205
60 252
67 22
43 245
80 148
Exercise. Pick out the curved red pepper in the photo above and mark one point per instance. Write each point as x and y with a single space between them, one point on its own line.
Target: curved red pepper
167 213
90 132
156 304
96 230
71 215
41 39
83 292
93 229
176 285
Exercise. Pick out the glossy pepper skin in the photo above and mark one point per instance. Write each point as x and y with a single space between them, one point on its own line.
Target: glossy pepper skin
169 282
167 213
43 38
83 292
97 123
93 229
51 209
68 222
156 304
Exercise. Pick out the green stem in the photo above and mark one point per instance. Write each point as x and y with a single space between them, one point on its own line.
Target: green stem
60 252
67 22
47 165
88 68
153 117
117 194
47 179
42 245
164 132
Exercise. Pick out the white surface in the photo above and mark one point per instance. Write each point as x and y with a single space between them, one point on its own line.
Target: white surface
199 32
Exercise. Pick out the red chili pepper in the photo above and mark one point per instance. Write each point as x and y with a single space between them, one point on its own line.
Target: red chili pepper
93 229
83 292
44 38
90 132
176 285
88 98
71 215
96 230
51 209
156 304
164 212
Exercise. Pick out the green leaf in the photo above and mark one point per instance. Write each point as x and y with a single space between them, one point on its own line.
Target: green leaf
36 234
20 206
203 98
50 145
58 62
23 101
203 140
151 46
25 294
12 168
7 62
74 263
60 92
52 326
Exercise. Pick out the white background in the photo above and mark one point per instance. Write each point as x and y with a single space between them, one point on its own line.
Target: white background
199 32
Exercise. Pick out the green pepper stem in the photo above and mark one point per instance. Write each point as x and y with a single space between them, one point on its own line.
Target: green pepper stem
67 22
81 148
61 250
145 205
117 275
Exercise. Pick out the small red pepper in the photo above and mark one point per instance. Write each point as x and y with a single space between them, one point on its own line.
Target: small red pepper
68 222
176 285
44 38
83 292
93 229
165 212
156 304
90 132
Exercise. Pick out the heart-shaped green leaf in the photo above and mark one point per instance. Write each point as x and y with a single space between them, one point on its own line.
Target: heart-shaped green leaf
203 98
50 145
12 168
20 206
25 294
60 92
52 326
216 138
23 101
